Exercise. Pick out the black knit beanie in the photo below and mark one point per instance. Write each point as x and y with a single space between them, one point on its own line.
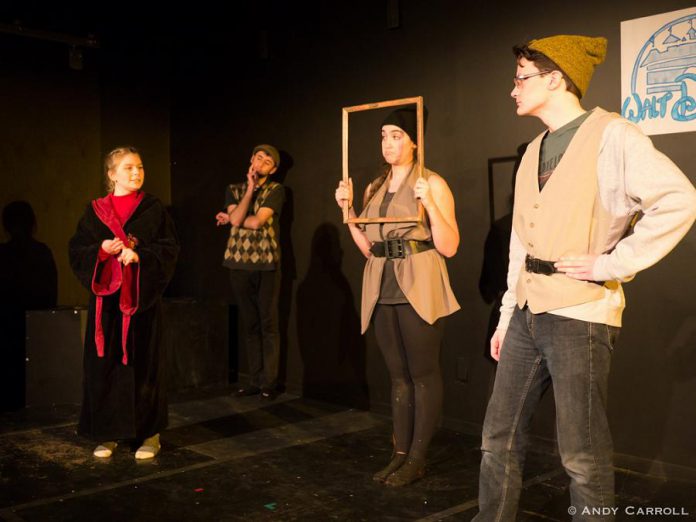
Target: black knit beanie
405 119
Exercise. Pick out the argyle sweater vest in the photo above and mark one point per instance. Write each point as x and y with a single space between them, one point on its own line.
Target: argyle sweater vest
249 249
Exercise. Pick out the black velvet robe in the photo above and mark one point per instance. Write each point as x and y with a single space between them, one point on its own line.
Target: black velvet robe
126 401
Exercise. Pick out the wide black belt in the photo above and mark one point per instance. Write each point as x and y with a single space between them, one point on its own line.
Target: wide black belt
399 248
539 266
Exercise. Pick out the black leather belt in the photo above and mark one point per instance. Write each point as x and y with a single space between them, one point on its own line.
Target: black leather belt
399 248
538 266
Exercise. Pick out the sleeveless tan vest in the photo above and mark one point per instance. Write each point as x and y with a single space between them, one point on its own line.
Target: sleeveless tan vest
422 277
566 218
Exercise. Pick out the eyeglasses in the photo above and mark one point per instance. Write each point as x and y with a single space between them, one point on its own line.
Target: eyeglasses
517 80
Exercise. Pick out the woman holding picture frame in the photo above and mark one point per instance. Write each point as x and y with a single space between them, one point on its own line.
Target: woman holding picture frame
406 289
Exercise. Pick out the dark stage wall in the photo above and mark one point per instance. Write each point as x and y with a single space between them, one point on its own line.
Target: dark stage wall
58 123
457 55
220 85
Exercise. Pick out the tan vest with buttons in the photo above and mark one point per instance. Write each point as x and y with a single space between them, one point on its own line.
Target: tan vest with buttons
566 218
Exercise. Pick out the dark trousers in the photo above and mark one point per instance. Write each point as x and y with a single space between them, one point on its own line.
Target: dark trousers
540 349
257 293
411 350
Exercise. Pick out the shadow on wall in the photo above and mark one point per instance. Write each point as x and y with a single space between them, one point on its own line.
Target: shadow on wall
328 327
493 278
288 264
28 281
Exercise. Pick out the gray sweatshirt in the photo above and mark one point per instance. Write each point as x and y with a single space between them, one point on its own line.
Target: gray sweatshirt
633 178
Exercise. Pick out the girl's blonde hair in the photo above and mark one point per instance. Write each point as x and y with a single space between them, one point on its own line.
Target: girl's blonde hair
112 159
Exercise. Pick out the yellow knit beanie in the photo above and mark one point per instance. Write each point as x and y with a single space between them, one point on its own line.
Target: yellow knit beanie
576 55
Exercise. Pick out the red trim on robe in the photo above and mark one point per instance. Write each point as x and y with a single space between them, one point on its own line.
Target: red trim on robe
113 275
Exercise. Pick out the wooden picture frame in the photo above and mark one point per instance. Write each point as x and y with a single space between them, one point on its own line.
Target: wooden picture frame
420 154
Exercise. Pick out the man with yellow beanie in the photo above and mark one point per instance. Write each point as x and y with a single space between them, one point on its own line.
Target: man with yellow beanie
580 186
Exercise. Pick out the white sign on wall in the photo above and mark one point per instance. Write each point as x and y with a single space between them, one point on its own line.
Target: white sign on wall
658 72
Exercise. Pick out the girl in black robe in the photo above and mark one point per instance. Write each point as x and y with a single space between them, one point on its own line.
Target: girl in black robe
124 251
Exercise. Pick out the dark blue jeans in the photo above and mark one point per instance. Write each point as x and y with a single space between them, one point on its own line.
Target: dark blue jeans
540 349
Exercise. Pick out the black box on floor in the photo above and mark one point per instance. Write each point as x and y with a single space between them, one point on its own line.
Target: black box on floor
54 356
195 336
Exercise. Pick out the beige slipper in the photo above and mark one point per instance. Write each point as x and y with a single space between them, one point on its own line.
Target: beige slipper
105 449
149 448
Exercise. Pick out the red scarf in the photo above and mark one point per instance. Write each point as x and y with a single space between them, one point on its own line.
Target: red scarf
114 275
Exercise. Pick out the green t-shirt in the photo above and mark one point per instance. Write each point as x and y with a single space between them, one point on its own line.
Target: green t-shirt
390 291
554 145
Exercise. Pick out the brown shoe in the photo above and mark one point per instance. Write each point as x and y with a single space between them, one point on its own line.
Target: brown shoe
247 392
396 462
411 471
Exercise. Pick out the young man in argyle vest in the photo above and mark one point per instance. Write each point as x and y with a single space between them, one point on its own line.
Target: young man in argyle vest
253 257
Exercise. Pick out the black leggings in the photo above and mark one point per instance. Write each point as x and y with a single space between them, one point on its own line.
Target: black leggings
411 350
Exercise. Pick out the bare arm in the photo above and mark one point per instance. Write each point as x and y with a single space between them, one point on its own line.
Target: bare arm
359 237
438 201
238 212
345 192
256 221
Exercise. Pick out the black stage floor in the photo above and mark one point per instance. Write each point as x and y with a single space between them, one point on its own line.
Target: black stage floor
225 458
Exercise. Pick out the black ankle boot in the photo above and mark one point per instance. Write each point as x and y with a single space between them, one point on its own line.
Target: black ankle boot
409 472
396 462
